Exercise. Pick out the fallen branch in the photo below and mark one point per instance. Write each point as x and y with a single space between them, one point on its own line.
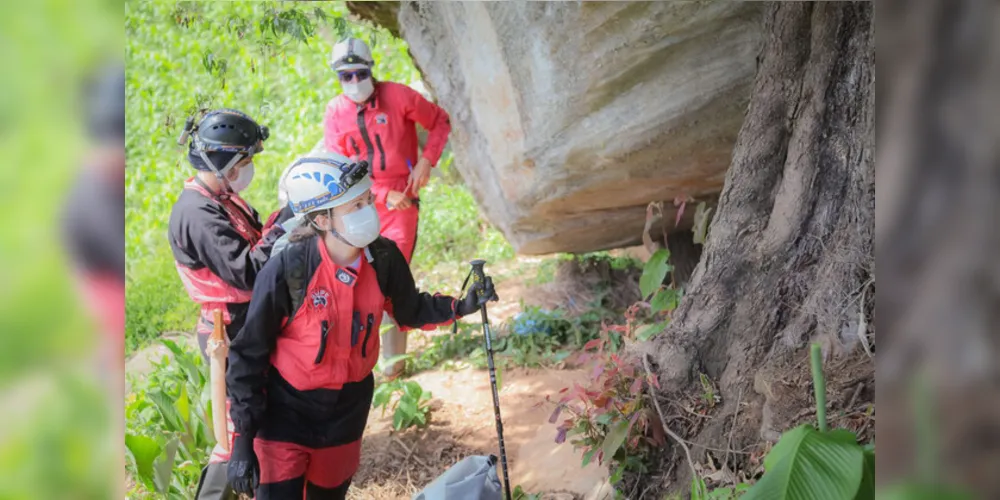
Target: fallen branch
409 454
854 398
732 429
659 411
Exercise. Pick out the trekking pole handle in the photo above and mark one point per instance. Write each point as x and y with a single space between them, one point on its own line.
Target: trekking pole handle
486 283
478 270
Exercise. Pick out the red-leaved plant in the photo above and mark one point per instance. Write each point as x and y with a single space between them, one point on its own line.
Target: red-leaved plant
611 418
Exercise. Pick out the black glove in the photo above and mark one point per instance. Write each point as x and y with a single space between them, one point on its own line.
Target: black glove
243 472
478 294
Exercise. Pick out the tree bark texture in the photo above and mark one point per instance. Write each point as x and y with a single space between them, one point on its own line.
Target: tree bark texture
789 256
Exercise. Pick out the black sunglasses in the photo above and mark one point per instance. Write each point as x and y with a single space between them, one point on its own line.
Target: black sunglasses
362 74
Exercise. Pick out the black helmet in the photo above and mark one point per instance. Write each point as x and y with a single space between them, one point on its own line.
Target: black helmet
224 133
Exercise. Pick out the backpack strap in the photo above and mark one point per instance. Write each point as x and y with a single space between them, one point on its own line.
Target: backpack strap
297 272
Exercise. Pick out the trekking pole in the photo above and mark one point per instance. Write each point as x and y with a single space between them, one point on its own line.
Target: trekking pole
479 277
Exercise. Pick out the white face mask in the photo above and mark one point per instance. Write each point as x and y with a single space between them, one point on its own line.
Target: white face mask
243 180
361 226
359 91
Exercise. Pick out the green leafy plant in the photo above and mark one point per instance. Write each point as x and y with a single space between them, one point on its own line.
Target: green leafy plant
168 425
520 494
448 347
409 403
810 462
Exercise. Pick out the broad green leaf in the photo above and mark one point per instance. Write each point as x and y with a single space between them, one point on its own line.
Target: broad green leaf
614 439
397 420
164 467
381 397
407 406
810 464
867 489
647 332
654 272
182 358
166 408
143 451
588 456
183 405
665 300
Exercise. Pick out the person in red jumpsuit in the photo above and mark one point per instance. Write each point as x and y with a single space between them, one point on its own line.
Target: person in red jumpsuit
376 121
300 371
218 241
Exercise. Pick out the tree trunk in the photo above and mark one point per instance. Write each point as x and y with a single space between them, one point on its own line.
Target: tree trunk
789 257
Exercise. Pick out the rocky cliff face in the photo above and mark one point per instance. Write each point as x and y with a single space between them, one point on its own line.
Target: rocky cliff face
569 117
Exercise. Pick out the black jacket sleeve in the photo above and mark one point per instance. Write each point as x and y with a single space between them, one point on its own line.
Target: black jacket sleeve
409 306
202 234
250 351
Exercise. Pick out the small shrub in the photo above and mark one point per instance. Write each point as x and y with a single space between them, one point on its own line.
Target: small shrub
408 401
611 418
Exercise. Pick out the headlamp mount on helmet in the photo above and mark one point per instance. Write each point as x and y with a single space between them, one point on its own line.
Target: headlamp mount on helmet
350 175
239 134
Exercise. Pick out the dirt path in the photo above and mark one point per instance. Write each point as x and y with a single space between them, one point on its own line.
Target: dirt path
463 424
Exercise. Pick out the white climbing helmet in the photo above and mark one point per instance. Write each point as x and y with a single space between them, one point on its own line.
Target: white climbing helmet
351 53
324 181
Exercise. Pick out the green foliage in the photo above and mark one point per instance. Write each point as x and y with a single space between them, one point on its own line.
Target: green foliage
451 229
700 492
654 273
168 425
443 348
408 401
520 494
811 463
807 463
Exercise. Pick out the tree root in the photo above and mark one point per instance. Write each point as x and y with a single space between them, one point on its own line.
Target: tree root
666 429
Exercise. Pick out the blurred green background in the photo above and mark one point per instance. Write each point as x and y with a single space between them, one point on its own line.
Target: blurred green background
55 441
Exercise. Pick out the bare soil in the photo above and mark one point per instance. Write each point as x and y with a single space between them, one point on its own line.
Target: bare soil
398 464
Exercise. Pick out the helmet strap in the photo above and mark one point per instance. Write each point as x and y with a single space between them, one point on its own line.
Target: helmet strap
221 173
332 231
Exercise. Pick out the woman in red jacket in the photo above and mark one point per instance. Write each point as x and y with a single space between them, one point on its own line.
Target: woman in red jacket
376 121
300 370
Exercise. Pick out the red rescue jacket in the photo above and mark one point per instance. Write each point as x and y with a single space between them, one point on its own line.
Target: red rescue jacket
312 337
383 131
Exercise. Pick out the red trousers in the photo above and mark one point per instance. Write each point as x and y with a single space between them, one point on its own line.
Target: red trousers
291 471
400 226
